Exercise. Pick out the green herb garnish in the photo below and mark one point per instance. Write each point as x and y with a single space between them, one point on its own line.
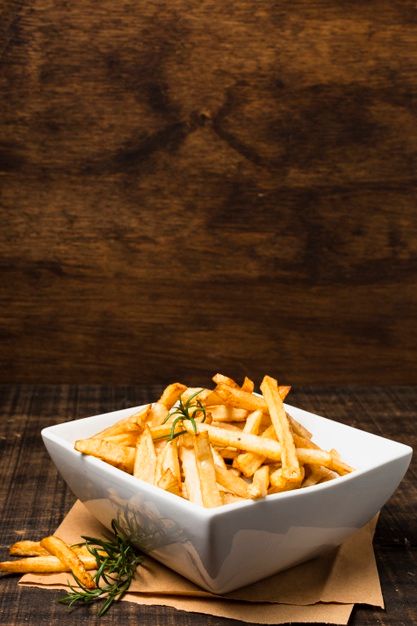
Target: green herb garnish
117 560
186 411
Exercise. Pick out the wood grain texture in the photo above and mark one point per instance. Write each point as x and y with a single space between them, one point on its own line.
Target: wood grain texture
34 499
191 186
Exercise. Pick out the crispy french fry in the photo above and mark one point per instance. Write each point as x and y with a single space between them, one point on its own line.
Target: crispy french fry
44 564
243 399
223 413
318 474
28 548
314 457
253 422
279 482
233 483
123 439
249 462
227 426
290 465
60 549
240 399
168 460
191 479
242 441
303 442
248 385
224 380
260 483
145 457
34 548
133 423
158 432
171 394
206 471
231 498
169 482
338 465
157 414
119 456
217 457
298 428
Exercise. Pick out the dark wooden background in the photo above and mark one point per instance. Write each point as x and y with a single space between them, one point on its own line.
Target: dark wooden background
193 185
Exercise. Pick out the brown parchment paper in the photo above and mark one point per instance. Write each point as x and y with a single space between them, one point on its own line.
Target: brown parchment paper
321 590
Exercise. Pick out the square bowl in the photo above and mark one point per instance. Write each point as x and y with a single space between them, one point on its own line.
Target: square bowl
224 548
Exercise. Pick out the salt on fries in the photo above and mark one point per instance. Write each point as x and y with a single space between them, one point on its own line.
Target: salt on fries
216 446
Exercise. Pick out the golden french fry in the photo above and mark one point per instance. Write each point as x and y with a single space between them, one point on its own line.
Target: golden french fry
318 474
240 399
314 457
123 439
44 564
145 457
243 399
28 548
253 422
290 465
157 414
121 457
338 465
223 413
242 441
303 442
191 480
217 457
34 548
206 471
299 429
133 423
248 385
169 482
224 380
168 459
249 462
227 426
228 453
158 432
233 483
231 498
171 394
279 482
60 549
260 483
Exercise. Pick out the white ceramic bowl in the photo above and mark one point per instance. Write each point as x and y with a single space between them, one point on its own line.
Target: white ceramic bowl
227 547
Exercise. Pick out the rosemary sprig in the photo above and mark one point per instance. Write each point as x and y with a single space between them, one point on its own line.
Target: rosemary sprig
117 560
183 411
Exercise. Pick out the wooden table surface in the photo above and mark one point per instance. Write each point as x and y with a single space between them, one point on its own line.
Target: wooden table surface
34 498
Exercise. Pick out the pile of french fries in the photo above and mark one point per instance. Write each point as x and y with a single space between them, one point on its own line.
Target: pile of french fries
237 446
51 554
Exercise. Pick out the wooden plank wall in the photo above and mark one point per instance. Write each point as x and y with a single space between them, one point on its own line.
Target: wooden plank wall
190 186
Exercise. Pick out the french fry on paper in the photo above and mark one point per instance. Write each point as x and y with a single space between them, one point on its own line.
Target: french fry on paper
63 552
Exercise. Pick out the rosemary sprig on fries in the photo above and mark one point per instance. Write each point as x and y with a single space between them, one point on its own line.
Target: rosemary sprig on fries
185 411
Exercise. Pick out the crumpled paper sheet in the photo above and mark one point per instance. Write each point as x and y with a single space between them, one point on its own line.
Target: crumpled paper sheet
324 589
